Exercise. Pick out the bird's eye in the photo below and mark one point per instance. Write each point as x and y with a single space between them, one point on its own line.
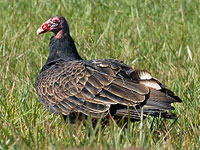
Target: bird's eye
53 23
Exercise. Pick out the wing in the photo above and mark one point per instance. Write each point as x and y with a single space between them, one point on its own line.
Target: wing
92 87
89 87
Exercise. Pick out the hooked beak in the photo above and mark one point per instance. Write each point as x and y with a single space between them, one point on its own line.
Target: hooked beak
40 31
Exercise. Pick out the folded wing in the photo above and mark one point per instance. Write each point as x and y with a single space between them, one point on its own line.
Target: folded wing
97 87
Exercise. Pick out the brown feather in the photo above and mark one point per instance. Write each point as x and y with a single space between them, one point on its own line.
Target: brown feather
92 88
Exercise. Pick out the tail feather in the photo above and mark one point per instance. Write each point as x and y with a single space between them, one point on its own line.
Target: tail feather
138 114
157 104
161 99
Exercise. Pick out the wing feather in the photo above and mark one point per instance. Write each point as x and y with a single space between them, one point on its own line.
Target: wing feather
91 87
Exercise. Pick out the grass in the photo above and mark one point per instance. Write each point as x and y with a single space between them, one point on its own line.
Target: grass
161 36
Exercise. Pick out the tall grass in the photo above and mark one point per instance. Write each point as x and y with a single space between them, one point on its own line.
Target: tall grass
161 36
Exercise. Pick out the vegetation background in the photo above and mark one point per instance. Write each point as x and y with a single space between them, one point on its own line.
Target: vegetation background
161 36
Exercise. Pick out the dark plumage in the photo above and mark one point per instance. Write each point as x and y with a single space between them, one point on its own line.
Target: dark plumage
69 85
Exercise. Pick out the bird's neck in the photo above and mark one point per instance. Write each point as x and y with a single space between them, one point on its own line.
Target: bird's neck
62 49
60 34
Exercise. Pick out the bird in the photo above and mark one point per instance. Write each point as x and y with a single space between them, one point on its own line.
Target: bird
106 89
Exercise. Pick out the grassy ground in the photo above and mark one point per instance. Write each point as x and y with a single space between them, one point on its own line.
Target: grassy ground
161 36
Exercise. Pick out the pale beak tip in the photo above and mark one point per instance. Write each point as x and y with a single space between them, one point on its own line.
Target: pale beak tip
39 31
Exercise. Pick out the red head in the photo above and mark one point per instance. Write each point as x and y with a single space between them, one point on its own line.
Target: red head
54 24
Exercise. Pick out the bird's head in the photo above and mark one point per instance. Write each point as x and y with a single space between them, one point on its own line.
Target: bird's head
55 24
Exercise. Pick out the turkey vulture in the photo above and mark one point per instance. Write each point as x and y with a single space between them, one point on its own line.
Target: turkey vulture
104 88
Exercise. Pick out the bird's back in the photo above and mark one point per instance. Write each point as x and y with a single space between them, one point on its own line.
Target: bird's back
99 87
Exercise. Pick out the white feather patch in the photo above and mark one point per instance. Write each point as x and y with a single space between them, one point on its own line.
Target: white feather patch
151 84
144 75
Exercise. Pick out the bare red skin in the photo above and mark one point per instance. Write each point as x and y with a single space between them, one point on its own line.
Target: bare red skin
47 27
59 34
